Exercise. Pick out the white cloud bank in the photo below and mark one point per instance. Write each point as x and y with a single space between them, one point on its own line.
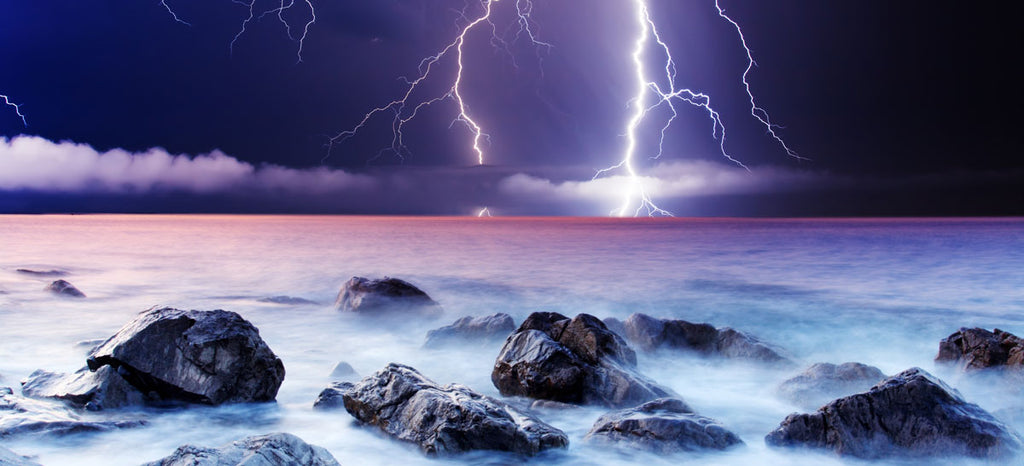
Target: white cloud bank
38 164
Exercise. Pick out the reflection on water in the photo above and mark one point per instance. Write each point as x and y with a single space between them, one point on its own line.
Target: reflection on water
881 292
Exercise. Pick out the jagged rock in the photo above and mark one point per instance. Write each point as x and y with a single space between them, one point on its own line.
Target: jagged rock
286 300
664 425
63 288
492 328
910 414
367 296
574 360
43 273
19 415
649 333
102 389
445 419
977 348
344 371
263 450
208 357
10 458
823 382
331 397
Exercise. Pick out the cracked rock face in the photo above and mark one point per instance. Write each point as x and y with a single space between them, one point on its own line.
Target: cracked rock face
367 296
910 414
977 348
444 420
578 360
665 425
262 450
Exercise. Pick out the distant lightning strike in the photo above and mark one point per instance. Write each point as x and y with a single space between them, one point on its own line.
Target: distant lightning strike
17 109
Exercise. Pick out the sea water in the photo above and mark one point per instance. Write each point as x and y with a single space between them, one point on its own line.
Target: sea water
877 291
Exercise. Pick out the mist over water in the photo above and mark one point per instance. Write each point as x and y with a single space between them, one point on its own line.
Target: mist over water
880 292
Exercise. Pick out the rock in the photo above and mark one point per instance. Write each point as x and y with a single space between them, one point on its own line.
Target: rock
484 329
366 296
262 450
344 371
10 458
823 382
43 273
664 425
575 360
447 419
331 397
977 348
208 357
286 300
103 389
910 414
22 416
649 333
63 288
615 325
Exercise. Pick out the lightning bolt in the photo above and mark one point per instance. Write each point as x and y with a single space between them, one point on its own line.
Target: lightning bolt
17 109
173 14
485 212
667 95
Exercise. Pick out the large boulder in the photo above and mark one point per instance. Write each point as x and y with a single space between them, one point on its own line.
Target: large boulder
910 414
63 288
102 389
483 329
367 296
823 382
977 348
574 360
208 357
20 416
664 425
649 334
262 450
447 419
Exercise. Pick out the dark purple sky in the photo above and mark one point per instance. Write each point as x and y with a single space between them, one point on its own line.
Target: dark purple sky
904 108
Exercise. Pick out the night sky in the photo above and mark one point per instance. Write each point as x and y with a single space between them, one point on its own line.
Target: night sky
902 108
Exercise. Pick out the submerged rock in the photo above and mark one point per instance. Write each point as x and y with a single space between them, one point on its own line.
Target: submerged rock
10 458
650 333
574 360
43 273
664 425
367 296
19 415
286 300
910 414
445 419
977 348
262 450
344 371
102 389
63 288
823 382
483 329
331 397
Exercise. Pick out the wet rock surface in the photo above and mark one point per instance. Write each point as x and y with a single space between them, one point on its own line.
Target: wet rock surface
102 389
824 382
63 288
664 425
22 416
910 414
574 360
446 419
482 329
649 334
263 450
331 397
369 296
977 348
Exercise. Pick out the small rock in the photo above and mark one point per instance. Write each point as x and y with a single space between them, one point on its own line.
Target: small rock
43 273
910 414
331 397
10 458
63 288
823 382
484 329
103 389
366 296
977 348
263 450
22 416
650 333
664 425
286 300
447 419
344 371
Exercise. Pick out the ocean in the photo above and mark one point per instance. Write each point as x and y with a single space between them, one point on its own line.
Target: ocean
878 291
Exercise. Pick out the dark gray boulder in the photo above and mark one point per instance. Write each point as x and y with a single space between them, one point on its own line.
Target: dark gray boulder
367 296
574 360
262 450
331 397
649 334
483 329
977 348
344 371
24 416
10 458
824 382
664 425
208 357
102 389
444 420
910 414
63 288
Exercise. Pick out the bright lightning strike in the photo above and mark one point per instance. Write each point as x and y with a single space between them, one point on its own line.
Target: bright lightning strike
173 14
17 109
485 212
667 94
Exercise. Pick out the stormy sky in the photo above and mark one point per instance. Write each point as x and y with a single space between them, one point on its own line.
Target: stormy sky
901 108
